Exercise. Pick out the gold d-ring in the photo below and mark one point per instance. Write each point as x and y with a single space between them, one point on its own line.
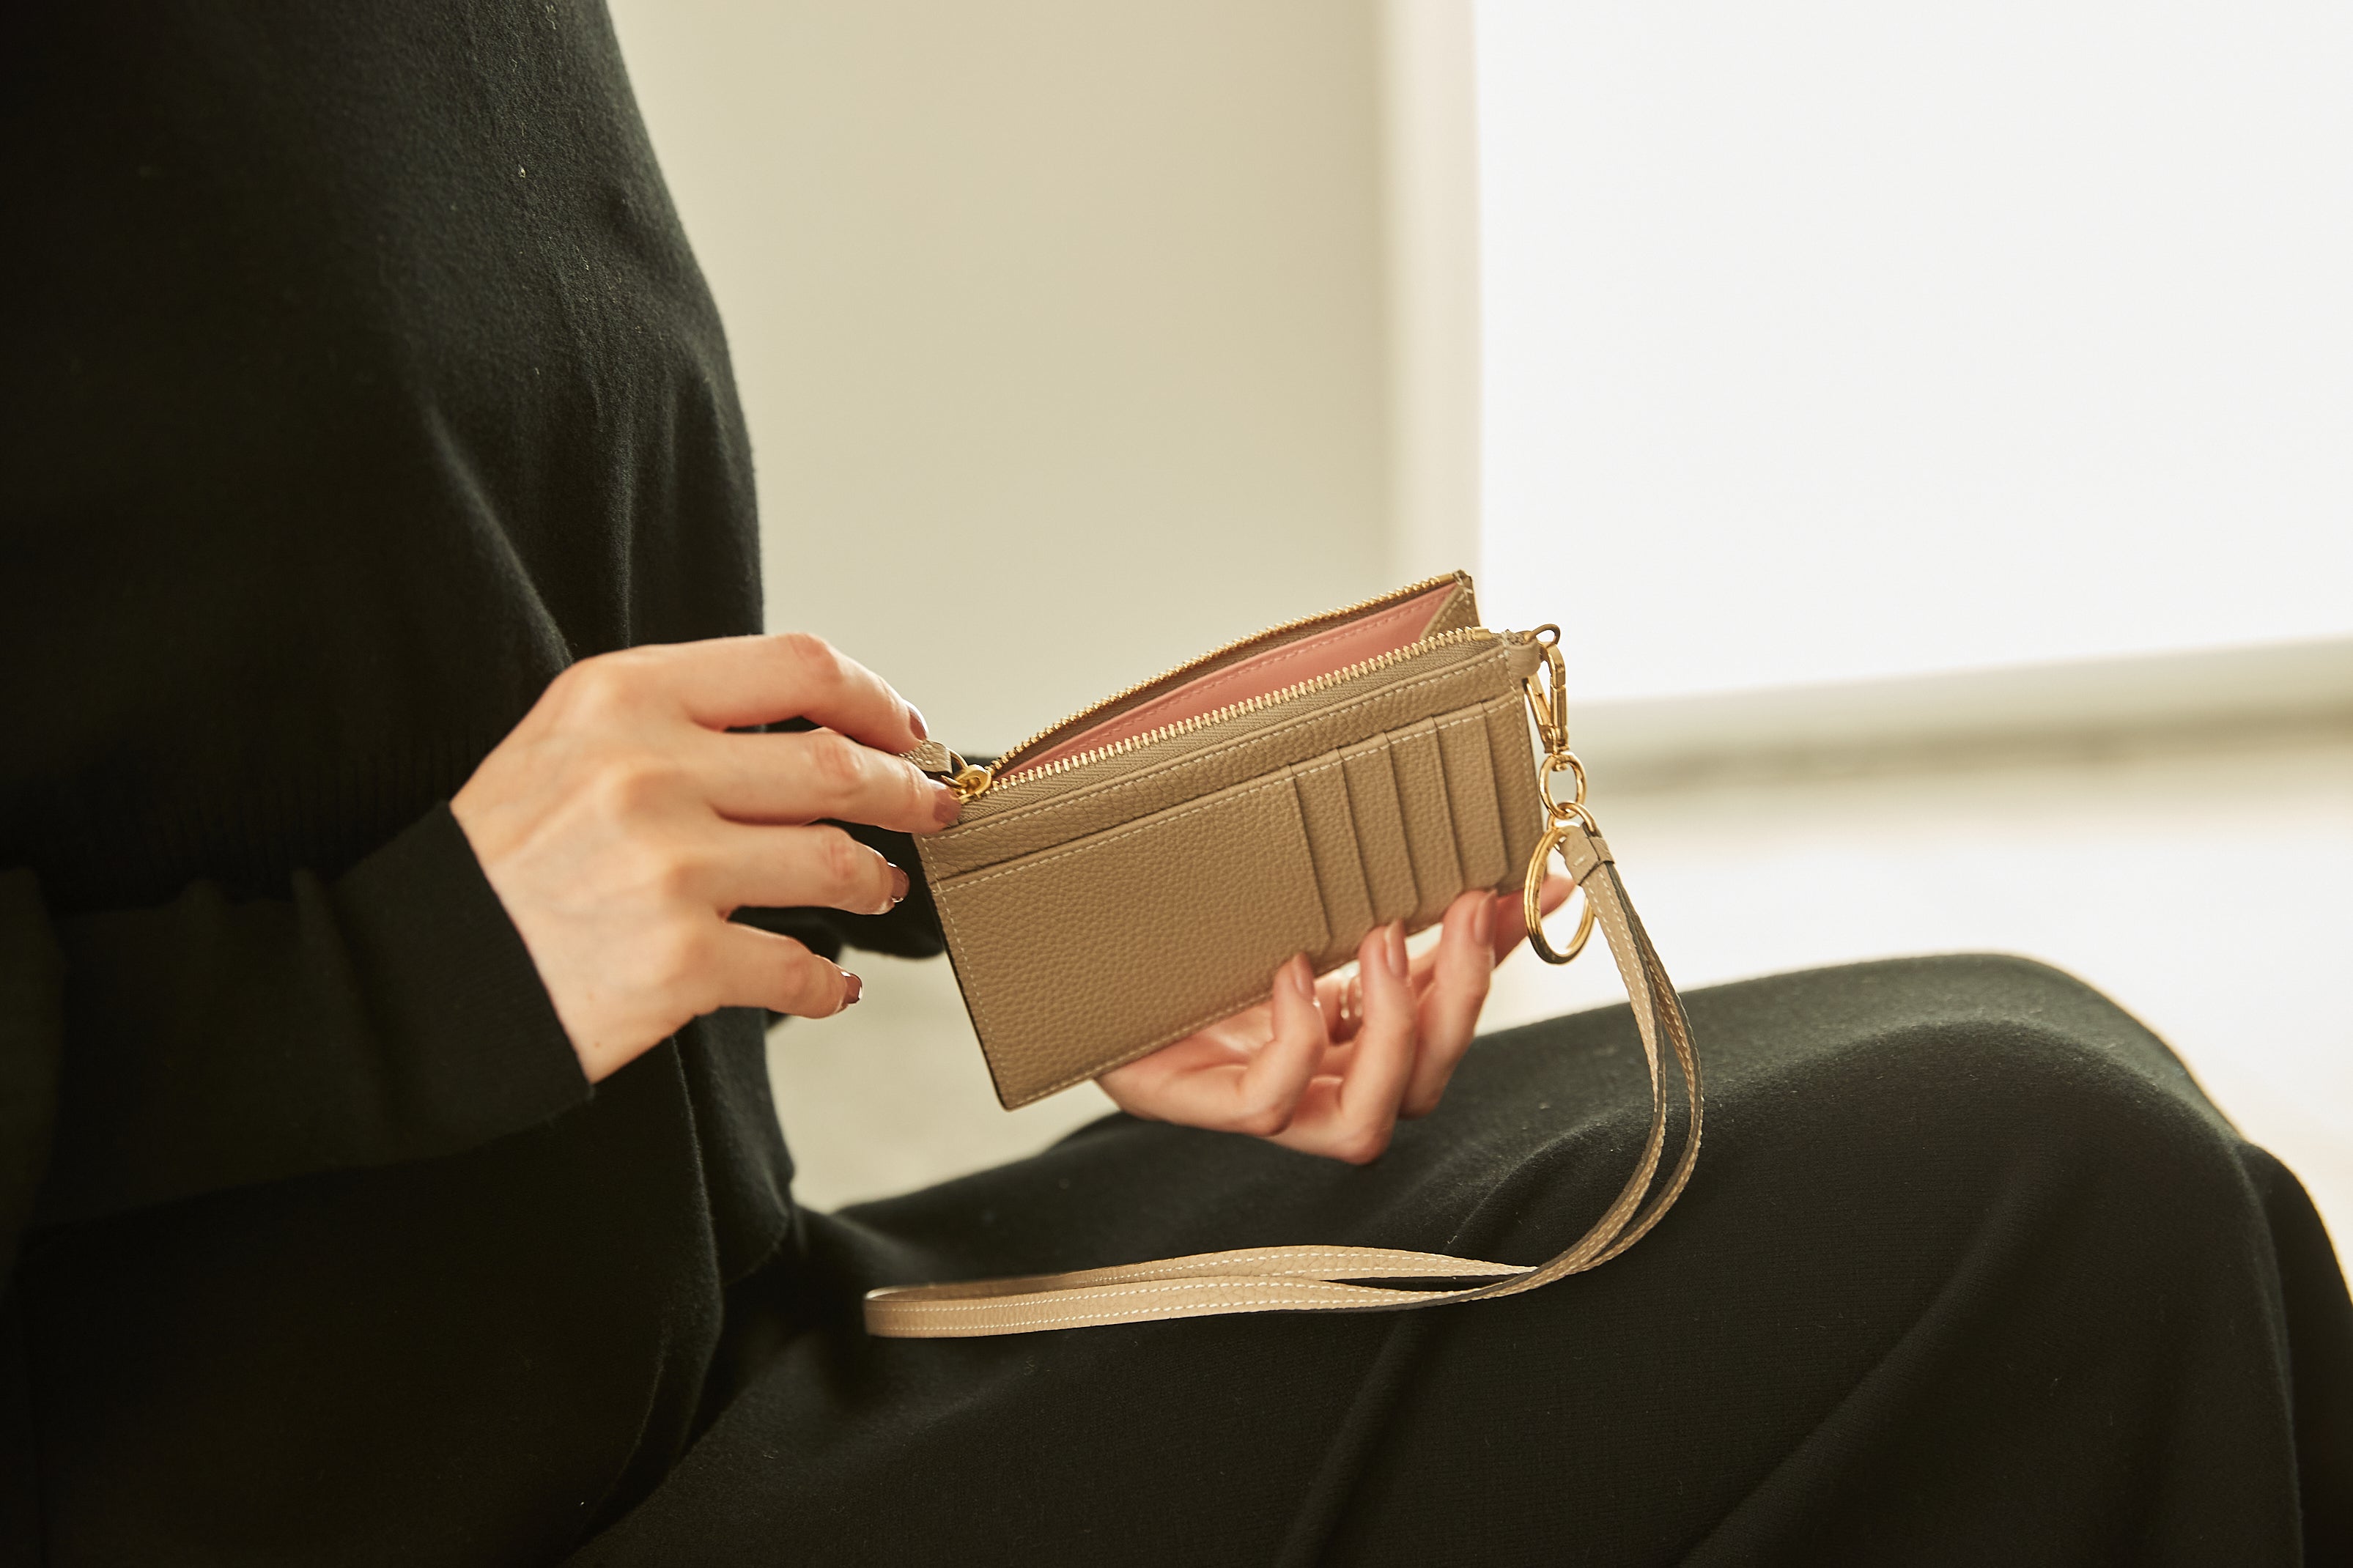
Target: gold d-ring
1531 902
1561 763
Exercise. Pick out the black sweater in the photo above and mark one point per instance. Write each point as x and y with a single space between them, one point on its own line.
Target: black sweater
358 379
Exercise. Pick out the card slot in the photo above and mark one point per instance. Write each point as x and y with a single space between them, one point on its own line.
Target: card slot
1037 815
1155 929
1462 747
1333 845
1520 805
1380 829
1429 824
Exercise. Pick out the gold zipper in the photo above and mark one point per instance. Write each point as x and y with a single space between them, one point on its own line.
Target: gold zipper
975 779
1397 595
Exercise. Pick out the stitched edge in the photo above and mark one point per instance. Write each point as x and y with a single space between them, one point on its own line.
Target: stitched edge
1474 712
1205 1309
1265 660
1165 1268
1112 1295
1352 853
1091 842
1303 1253
1497 656
947 919
1618 922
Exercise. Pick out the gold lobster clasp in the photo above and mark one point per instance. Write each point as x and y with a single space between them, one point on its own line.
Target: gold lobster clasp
1549 706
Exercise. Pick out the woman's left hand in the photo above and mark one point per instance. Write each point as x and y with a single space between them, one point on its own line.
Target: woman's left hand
1327 1068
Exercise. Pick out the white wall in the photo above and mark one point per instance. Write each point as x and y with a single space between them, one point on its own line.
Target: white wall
1826 339
1060 324
1822 343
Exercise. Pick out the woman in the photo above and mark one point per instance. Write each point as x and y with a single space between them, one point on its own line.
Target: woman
389 1157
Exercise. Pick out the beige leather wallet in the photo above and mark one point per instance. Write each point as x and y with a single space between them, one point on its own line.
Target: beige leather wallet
1140 869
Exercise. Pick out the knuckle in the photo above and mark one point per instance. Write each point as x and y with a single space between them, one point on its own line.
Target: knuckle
812 986
601 684
817 659
1269 1120
677 961
842 858
630 788
657 877
920 795
836 760
674 877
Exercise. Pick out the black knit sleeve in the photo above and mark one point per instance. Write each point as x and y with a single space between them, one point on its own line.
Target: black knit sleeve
388 1014
31 1027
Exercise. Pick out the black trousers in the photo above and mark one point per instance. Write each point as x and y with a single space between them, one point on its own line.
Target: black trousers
1970 1273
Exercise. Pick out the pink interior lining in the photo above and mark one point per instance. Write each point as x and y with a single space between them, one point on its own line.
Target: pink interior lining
1398 626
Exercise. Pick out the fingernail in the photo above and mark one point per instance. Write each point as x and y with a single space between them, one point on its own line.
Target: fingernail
944 805
1303 981
1393 950
915 721
1483 921
899 883
851 986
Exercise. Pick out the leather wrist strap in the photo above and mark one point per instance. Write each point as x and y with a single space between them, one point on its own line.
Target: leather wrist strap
1316 1279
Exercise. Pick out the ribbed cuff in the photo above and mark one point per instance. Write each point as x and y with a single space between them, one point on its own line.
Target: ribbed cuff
32 1028
479 1051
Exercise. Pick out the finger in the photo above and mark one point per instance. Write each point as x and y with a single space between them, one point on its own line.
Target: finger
805 775
759 969
1463 964
1255 1091
1341 998
795 868
1268 1095
728 682
1353 1121
1509 927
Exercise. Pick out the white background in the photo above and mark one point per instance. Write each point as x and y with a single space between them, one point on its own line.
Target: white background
1819 344
1846 340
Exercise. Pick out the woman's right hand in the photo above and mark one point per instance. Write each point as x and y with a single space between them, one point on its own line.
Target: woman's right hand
620 824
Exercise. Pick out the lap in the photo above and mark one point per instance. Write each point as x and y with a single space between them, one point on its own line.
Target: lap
1953 1221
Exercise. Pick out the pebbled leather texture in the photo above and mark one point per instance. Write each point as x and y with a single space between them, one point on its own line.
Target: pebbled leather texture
1101 912
1310 1279
1125 898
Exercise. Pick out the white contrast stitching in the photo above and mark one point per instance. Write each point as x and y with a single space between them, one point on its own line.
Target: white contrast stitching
1468 667
887 1307
1289 775
1214 1309
1301 1255
1082 846
948 918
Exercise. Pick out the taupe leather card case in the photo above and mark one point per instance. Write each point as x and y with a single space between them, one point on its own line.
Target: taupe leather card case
1140 871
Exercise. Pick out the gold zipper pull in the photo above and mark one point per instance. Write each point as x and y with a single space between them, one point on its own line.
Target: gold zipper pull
970 780
967 779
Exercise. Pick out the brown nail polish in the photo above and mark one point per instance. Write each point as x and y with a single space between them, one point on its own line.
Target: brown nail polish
899 883
945 806
851 986
915 722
